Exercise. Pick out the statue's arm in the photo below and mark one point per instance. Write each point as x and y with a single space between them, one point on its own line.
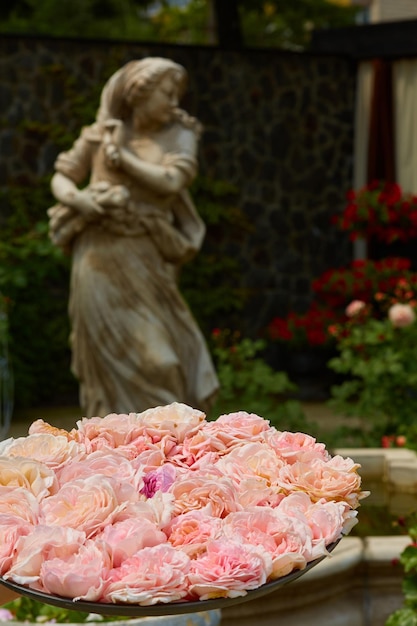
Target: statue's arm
169 177
71 169
66 191
165 179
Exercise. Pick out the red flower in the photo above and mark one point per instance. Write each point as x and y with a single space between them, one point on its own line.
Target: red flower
380 210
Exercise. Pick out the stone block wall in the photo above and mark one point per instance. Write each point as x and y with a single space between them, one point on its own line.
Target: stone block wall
278 126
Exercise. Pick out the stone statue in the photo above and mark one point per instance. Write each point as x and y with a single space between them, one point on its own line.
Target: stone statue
135 343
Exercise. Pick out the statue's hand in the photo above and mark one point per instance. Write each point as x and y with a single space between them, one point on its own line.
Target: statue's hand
115 132
85 204
112 154
113 140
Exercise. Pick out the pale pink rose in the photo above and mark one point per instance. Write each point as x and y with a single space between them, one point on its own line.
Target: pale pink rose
257 492
110 432
292 447
287 539
224 433
11 528
52 450
401 315
252 527
88 504
328 520
44 542
296 504
19 502
5 444
127 537
343 464
150 459
40 426
251 459
325 519
191 531
196 492
207 440
320 479
228 569
243 425
153 575
33 475
80 576
205 462
177 419
354 308
159 510
294 544
126 479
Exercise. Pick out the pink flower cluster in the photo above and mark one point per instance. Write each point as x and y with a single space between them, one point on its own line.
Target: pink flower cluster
164 506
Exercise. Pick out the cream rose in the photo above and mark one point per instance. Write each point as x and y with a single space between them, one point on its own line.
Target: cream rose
33 475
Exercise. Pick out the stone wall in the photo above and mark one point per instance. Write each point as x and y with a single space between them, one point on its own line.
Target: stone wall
278 125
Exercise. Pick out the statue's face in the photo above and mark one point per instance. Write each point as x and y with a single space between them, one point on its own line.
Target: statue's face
161 102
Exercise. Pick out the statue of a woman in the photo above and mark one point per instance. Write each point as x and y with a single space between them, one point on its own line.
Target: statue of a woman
135 343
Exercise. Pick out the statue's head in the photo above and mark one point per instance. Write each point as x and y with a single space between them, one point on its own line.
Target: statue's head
131 86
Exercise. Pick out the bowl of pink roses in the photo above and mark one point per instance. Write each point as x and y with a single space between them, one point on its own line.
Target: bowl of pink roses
163 512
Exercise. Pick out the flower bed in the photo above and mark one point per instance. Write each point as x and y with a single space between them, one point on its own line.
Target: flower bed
380 210
165 507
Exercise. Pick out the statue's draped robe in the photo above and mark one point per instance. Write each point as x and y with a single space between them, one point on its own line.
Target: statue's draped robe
135 343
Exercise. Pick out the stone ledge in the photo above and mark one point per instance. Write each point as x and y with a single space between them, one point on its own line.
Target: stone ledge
396 467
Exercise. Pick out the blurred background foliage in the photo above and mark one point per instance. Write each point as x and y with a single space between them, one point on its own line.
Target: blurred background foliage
230 23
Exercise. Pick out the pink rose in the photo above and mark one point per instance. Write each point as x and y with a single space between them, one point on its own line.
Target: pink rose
153 575
176 419
294 447
257 492
251 459
197 492
11 528
228 569
401 315
44 542
150 459
33 475
354 308
243 425
328 520
88 504
191 531
252 527
40 426
321 479
159 510
127 537
226 432
287 539
110 432
125 478
80 576
159 479
19 502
